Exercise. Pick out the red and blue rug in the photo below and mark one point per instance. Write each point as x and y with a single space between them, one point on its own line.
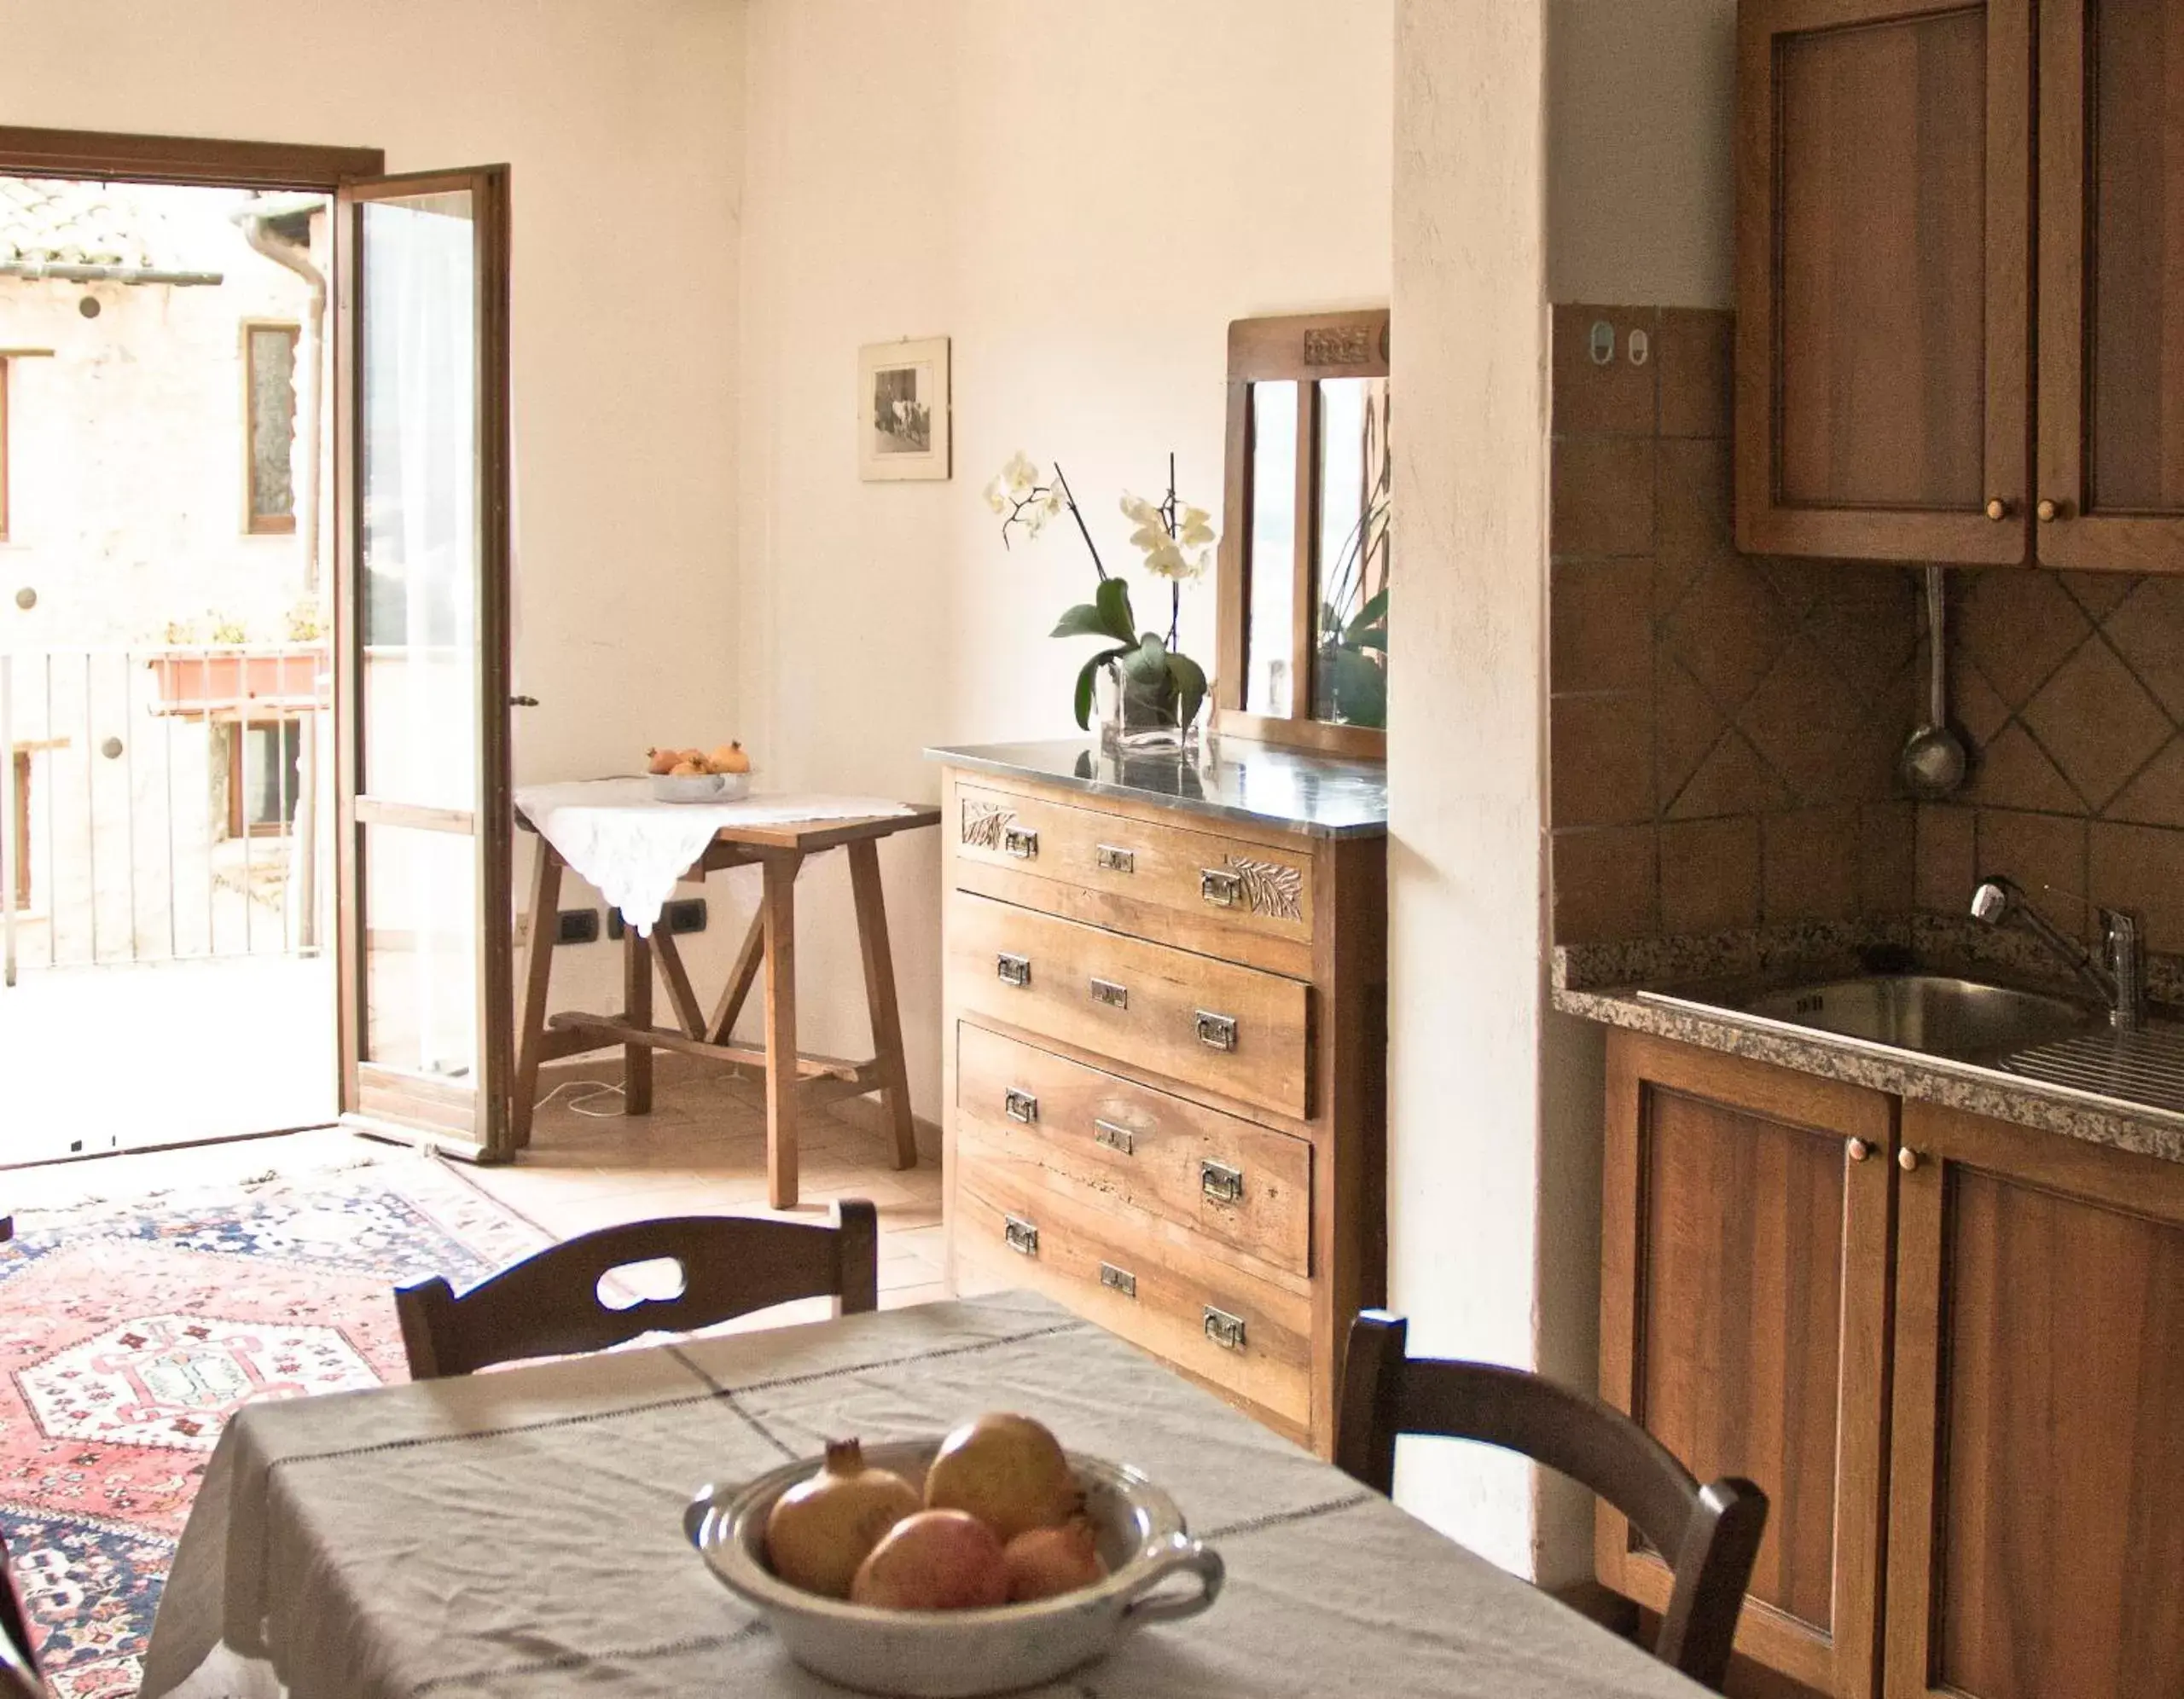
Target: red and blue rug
130 1332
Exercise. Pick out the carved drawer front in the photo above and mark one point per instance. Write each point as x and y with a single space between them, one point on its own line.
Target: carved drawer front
1228 883
1215 1175
1227 1029
1246 1334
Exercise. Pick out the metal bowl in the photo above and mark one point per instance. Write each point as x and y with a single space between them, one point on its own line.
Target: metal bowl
955 1654
700 787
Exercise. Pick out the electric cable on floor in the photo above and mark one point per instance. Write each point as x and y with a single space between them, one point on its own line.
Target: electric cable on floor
595 1091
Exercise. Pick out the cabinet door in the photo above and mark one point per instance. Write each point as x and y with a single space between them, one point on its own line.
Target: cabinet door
2111 485
1884 203
1744 1234
2036 1514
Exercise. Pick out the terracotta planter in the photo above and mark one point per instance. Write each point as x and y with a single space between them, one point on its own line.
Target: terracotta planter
219 681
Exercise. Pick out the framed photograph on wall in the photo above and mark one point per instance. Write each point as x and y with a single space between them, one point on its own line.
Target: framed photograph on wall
902 407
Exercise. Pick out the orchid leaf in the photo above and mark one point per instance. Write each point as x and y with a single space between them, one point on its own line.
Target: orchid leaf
1085 620
1190 685
1116 618
1085 676
1148 662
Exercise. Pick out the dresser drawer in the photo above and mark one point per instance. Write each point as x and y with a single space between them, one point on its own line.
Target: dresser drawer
1230 1029
1220 1177
1230 882
1247 1336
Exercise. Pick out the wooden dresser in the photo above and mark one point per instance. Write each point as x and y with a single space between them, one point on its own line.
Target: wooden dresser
1167 1028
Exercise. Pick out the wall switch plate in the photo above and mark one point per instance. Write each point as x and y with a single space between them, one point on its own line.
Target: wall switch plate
577 927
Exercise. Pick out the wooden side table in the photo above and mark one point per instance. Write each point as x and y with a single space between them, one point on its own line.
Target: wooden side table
793 1080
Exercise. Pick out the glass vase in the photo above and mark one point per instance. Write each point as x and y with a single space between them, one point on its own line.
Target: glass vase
1141 719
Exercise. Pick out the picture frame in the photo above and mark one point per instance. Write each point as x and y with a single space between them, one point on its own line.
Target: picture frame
903 410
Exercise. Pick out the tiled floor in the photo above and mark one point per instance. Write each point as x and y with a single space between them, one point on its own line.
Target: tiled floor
702 1150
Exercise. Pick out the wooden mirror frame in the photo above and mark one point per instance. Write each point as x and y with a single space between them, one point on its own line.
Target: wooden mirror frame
1301 348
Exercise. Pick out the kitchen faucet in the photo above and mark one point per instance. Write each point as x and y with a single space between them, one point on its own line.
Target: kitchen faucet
2120 977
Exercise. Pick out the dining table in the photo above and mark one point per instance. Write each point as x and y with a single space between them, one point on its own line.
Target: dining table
521 1532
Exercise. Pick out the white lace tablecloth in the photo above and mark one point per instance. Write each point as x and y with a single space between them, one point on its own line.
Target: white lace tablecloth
520 1534
631 848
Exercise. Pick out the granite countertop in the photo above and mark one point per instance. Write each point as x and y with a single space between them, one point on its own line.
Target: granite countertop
1609 983
1234 780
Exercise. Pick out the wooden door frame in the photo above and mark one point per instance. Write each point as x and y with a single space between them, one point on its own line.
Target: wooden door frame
1845 1662
208 161
1764 526
417 1108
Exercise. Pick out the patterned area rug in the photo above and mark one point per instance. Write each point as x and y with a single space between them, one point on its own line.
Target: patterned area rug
130 1332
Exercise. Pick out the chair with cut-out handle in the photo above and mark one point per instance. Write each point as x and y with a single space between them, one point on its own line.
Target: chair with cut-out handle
550 1305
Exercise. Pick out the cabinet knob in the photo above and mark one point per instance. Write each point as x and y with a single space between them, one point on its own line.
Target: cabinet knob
1998 510
1859 1150
1907 1159
2047 513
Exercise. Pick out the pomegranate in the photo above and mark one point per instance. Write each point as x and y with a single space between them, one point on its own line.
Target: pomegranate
1009 1471
1045 1562
936 1560
822 1529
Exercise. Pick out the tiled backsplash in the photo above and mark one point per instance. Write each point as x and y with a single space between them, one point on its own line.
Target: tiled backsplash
2069 686
1724 729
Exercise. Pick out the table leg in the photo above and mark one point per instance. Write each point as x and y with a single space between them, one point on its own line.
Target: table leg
778 905
537 971
749 960
637 1010
880 998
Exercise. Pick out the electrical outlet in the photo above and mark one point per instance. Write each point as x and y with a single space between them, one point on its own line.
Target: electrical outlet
577 926
685 914
615 925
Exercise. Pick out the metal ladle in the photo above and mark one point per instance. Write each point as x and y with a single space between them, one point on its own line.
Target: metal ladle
1933 760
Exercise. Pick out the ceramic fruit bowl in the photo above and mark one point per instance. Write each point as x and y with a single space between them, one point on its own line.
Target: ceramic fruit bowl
700 787
955 1654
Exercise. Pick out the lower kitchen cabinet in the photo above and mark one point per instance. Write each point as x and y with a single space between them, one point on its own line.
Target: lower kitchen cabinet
1950 1349
2037 1499
1744 1230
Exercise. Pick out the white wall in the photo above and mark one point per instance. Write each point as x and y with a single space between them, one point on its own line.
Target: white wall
1082 196
622 124
1466 741
1640 187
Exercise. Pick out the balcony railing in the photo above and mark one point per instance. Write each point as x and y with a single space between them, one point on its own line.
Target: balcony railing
165 803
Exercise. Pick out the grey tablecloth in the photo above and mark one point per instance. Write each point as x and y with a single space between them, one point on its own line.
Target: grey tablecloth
520 1532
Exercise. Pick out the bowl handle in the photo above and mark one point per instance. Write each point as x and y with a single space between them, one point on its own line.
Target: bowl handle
695 1512
1183 1553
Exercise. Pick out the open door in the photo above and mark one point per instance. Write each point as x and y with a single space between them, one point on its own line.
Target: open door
421 635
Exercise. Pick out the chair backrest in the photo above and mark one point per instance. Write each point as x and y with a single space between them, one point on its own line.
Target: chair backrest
19 1672
1710 1535
549 1305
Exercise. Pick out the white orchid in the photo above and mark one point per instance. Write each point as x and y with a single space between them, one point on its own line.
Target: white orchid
1197 529
1166 550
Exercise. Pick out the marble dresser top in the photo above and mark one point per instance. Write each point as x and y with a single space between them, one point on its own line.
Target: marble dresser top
1235 780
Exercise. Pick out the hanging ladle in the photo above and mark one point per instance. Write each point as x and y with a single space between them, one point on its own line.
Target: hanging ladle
1933 762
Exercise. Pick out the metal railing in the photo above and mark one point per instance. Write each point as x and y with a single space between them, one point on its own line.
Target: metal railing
163 803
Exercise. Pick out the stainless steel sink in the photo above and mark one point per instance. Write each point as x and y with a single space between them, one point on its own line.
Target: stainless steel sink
1963 1019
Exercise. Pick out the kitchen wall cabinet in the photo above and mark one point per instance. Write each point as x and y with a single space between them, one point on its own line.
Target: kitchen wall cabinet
1894 261
2037 1469
1950 1349
1745 1231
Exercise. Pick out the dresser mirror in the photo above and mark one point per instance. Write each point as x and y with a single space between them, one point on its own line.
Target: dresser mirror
1305 552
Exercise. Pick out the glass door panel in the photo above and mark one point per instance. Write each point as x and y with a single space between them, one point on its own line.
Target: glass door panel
426 650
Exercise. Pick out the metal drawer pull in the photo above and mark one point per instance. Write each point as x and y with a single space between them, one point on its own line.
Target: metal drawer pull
1219 885
1019 1105
1119 1279
1217 1032
1119 1138
1109 859
1013 970
1220 1182
1020 1235
1223 1329
1113 995
1021 842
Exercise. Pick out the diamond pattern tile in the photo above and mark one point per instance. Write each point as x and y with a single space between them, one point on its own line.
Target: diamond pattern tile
2016 626
2100 724
2147 629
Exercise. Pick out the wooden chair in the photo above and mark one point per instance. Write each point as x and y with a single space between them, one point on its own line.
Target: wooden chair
549 1305
19 1672
1710 1535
